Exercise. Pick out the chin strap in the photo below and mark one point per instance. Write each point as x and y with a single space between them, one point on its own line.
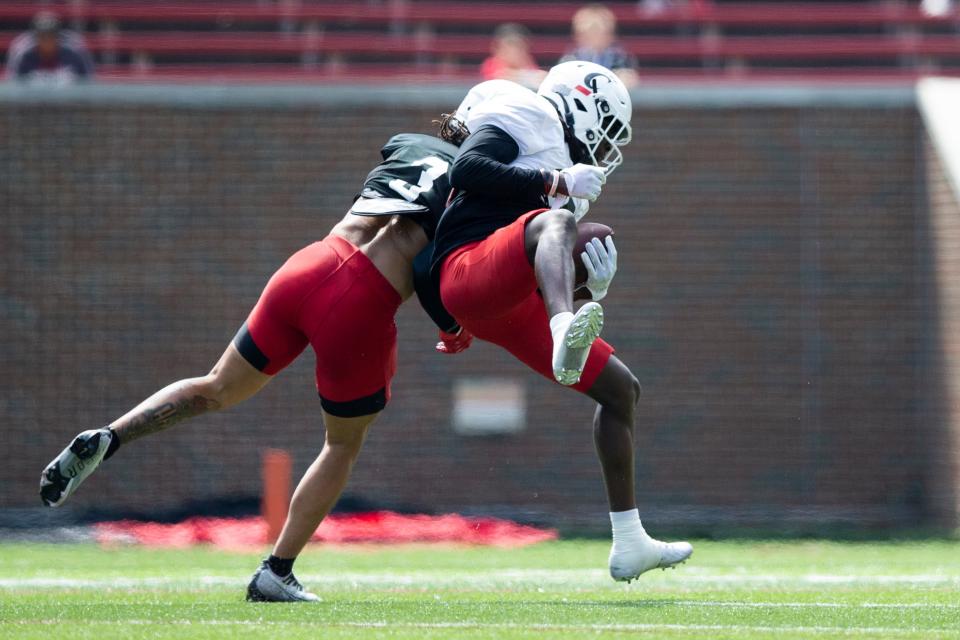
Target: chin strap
578 151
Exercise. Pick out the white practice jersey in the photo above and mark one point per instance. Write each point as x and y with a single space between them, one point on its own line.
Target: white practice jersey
483 92
526 117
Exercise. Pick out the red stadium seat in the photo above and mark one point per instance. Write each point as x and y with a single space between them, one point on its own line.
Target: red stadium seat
464 12
244 38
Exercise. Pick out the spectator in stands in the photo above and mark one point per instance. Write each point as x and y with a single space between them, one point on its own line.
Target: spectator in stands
936 7
595 32
510 57
48 54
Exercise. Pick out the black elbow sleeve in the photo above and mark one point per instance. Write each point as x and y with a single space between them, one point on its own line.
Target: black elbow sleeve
428 292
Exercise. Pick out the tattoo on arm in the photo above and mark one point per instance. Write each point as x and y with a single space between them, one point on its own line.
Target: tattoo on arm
162 417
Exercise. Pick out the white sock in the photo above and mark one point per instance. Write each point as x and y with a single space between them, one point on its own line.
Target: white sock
559 324
626 526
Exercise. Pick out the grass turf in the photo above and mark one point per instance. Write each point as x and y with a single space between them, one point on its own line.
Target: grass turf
560 590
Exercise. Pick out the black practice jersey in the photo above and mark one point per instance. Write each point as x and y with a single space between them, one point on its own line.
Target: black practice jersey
489 192
412 180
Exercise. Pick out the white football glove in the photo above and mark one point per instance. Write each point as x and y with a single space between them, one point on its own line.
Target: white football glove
583 181
600 259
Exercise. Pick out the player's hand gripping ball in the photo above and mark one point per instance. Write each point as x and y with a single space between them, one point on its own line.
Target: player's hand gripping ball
603 267
600 259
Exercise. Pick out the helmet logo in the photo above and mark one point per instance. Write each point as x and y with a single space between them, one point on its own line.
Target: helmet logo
591 80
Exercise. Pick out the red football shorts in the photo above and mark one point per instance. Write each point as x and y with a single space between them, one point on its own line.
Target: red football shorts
491 289
331 296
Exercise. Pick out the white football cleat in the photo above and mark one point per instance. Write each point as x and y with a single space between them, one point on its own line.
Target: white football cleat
571 351
69 469
266 586
627 562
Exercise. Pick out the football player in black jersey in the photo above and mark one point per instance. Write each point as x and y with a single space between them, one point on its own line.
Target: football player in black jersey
338 295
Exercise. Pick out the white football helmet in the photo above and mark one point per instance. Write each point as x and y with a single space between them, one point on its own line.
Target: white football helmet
595 106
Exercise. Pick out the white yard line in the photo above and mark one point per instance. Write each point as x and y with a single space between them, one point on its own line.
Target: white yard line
639 627
810 605
530 578
391 624
389 580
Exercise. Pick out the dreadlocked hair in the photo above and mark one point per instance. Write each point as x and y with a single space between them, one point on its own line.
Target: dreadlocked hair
452 130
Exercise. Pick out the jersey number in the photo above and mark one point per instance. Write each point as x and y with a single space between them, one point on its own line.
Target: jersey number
433 168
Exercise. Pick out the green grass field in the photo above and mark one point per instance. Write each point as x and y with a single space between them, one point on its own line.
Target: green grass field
553 590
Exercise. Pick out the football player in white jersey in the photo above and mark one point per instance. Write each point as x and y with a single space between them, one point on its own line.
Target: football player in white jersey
503 258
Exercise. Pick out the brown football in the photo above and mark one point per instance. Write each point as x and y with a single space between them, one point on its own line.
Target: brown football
586 231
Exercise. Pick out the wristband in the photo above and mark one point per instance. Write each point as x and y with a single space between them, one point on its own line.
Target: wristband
550 185
556 183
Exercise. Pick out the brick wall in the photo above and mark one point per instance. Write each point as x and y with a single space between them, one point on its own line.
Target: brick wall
775 300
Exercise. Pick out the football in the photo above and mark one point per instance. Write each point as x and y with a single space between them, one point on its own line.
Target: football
586 231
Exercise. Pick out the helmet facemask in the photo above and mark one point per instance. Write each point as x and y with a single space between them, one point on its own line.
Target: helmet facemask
605 139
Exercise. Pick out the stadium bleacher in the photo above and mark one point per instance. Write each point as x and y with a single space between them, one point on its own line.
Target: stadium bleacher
251 40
